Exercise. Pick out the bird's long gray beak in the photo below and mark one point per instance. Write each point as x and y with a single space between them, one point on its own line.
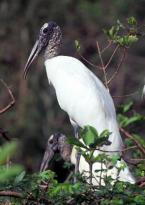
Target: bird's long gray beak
34 53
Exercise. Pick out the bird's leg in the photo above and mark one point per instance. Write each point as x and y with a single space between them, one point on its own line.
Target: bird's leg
77 154
76 131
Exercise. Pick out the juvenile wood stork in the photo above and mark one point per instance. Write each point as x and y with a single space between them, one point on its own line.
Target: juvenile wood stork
79 92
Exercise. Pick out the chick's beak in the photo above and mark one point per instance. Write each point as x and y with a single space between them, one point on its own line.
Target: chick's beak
34 53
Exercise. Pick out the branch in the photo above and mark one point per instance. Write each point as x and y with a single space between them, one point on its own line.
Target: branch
90 63
12 102
17 195
102 65
101 52
110 59
108 45
126 95
141 182
3 133
11 194
133 161
118 67
127 134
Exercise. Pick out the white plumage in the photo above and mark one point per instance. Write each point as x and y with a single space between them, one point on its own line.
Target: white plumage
79 93
87 102
83 96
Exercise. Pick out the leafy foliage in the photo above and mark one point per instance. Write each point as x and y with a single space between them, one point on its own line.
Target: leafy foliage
7 150
124 35
7 173
43 188
125 120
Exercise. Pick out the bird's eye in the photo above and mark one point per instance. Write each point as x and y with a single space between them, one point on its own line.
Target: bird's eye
45 30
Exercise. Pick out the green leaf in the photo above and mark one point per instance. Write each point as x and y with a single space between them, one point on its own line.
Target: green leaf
76 142
6 151
20 177
122 165
103 138
117 201
136 118
85 155
46 175
101 141
132 21
120 24
122 120
105 133
77 44
139 139
101 158
89 135
112 32
132 39
126 40
126 121
88 156
139 199
126 107
115 158
7 174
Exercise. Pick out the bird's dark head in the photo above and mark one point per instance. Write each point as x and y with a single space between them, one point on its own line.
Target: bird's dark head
49 40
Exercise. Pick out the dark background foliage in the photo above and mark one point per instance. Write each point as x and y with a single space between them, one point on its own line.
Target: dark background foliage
36 113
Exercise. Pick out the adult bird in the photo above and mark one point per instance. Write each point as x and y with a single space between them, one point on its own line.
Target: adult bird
79 92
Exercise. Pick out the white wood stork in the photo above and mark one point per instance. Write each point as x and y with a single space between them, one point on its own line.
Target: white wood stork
79 93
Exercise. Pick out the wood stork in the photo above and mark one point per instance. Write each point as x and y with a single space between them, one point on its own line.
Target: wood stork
79 93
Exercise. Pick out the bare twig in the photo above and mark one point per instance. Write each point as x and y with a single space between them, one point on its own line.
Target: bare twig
101 52
128 135
129 148
138 159
3 133
133 161
90 63
100 179
19 195
108 45
91 167
90 171
11 194
111 57
118 67
114 151
141 182
127 95
12 102
102 65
